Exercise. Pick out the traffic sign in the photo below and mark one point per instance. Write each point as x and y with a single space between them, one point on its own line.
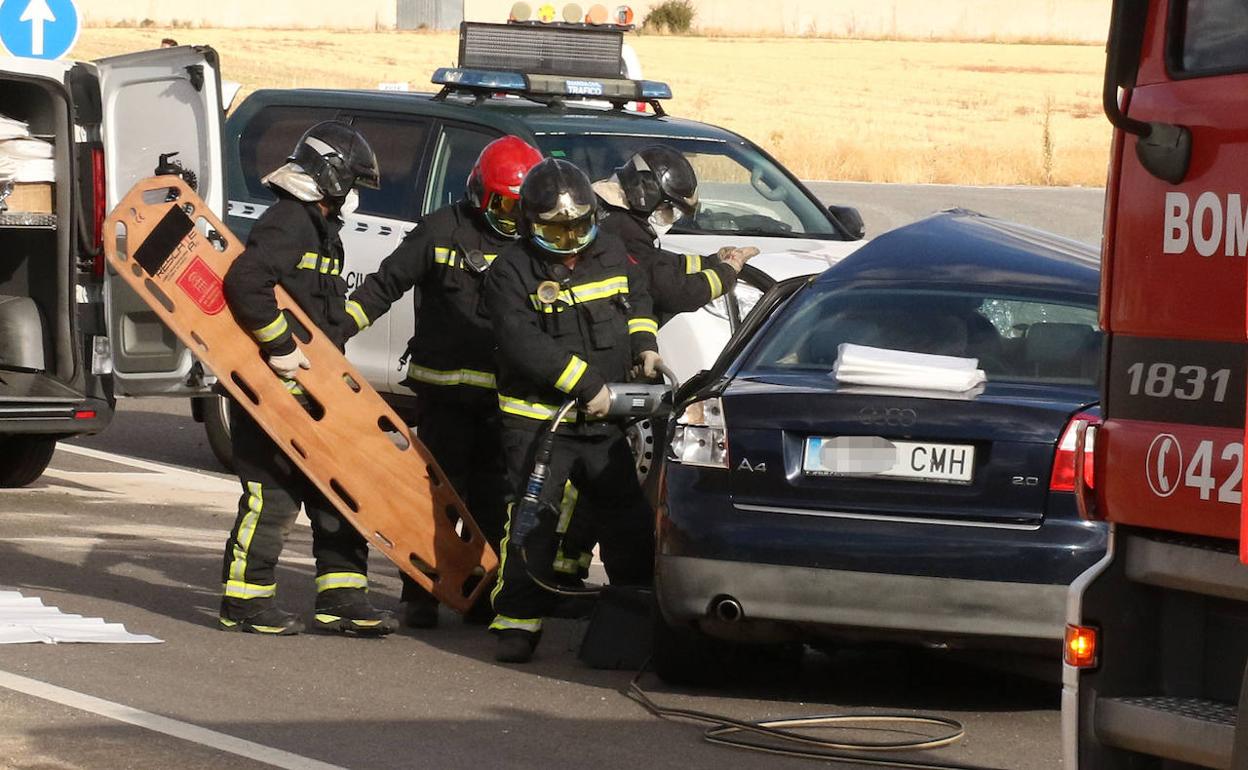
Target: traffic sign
38 29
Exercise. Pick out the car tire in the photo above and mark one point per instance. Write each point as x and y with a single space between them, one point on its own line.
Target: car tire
24 459
217 426
684 656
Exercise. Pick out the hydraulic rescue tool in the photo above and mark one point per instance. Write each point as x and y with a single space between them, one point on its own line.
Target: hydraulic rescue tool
173 251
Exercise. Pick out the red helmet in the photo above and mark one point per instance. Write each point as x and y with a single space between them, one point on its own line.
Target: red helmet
494 184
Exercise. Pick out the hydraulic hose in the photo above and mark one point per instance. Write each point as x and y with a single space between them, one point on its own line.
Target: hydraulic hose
777 736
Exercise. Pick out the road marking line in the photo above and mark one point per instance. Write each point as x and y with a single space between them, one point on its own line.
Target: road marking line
172 727
146 465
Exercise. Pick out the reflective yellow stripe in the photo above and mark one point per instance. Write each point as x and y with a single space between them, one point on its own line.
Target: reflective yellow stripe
717 286
444 256
529 409
452 377
504 623
489 258
356 311
246 532
572 374
611 287
502 556
237 589
333 580
293 387
309 261
693 263
567 506
273 330
643 326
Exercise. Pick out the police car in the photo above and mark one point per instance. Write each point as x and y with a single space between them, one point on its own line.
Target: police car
76 137
578 109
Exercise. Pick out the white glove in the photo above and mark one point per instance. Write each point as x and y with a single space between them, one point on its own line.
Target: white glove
648 363
600 404
288 366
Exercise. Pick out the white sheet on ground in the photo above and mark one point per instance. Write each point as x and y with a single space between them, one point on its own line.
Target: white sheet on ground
27 620
880 367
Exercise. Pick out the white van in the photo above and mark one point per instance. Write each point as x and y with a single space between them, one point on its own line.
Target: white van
72 339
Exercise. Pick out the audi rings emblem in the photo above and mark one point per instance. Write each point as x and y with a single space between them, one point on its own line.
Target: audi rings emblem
893 418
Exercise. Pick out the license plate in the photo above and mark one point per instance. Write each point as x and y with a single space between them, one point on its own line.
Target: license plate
870 456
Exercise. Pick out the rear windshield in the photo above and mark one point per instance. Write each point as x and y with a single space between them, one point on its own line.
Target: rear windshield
1016 339
741 191
1212 36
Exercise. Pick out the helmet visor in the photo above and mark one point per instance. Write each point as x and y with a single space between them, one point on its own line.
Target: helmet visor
501 212
565 237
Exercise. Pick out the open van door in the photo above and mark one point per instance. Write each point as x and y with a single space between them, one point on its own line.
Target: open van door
160 108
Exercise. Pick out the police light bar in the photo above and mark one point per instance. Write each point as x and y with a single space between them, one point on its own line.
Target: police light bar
489 82
573 50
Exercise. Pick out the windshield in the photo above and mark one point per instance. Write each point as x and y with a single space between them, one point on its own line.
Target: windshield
741 190
1016 339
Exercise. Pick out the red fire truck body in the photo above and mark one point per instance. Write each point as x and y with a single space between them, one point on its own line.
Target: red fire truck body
1158 633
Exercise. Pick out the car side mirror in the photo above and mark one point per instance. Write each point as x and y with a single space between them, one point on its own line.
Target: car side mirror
849 221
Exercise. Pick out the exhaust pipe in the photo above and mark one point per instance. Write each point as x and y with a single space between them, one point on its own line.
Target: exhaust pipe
727 609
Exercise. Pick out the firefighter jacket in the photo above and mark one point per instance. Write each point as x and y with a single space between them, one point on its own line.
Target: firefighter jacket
679 283
561 339
445 258
295 245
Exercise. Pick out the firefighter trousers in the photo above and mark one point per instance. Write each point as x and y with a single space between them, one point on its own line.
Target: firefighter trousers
273 491
465 436
601 467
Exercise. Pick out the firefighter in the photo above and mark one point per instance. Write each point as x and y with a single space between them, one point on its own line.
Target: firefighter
451 357
643 199
296 244
571 313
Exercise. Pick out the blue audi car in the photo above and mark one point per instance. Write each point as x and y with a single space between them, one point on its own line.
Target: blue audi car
959 524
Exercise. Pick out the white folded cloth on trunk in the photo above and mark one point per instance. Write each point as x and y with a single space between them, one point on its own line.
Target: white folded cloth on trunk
34 170
13 129
25 149
880 367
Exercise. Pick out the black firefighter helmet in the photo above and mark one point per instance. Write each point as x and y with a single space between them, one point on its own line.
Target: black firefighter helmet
338 158
559 207
659 176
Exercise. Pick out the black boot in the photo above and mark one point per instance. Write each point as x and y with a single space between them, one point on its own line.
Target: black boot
516 646
266 618
421 612
343 611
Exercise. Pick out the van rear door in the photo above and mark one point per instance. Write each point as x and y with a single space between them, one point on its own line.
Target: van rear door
157 103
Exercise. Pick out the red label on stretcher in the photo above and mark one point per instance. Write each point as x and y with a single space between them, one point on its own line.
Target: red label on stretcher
203 286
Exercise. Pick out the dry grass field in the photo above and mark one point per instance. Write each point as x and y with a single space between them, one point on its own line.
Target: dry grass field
877 111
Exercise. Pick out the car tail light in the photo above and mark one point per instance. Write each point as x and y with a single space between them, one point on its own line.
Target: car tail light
1064 461
1081 643
99 208
700 436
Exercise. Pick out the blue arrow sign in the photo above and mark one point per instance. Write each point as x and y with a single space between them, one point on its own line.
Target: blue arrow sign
38 29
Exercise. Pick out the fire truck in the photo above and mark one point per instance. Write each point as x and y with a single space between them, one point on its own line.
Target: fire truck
1158 630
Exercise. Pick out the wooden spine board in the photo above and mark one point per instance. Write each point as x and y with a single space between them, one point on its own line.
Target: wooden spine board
391 503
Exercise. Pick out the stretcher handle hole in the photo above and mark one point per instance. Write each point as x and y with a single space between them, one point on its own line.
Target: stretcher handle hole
351 383
246 389
136 269
203 346
298 330
343 495
211 234
309 403
159 294
470 585
461 527
387 542
420 564
396 436
435 478
119 240
157 195
298 449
